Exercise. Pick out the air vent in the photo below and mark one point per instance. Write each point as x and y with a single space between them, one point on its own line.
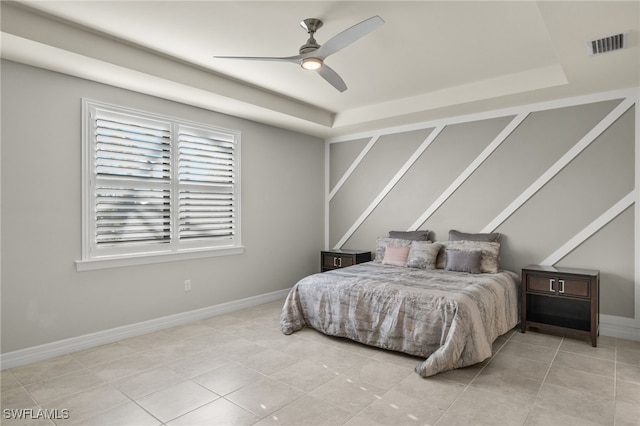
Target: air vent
608 44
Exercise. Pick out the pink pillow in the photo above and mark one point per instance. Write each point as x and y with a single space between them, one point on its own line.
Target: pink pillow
394 255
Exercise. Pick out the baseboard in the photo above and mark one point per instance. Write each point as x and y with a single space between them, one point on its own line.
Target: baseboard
620 331
73 344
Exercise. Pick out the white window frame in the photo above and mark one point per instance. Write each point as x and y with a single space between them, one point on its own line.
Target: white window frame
95 256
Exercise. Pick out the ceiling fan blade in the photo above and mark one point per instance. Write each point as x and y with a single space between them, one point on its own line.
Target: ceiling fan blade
348 36
332 77
295 59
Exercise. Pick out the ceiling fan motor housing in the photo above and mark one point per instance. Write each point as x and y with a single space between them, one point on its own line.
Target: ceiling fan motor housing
311 25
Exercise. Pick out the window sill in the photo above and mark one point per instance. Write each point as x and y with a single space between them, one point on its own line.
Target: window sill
117 262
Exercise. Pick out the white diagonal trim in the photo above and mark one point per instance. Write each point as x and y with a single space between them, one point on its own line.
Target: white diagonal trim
353 166
470 169
407 165
560 164
590 229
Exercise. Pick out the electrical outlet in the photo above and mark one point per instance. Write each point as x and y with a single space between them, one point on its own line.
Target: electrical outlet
187 285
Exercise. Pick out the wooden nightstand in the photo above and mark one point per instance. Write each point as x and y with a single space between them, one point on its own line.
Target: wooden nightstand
564 300
336 259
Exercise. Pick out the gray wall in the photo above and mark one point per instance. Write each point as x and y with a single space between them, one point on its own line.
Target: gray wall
566 206
45 300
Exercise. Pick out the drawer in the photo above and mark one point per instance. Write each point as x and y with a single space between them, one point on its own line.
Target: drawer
541 284
562 285
575 287
336 261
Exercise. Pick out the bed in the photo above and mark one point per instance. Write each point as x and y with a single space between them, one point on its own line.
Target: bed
434 308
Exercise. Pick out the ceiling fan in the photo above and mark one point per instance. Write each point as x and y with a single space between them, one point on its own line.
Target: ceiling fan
312 55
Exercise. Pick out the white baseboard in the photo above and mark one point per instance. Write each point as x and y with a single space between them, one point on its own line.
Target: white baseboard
620 331
73 344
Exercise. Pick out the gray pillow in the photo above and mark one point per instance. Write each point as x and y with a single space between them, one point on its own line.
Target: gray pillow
490 253
422 235
463 261
464 236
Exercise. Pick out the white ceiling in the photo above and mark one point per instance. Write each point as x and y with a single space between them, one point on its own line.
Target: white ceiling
429 60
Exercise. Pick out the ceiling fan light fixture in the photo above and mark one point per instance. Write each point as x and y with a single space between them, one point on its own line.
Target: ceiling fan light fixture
311 63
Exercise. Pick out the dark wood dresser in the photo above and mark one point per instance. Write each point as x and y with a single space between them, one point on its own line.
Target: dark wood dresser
561 300
335 259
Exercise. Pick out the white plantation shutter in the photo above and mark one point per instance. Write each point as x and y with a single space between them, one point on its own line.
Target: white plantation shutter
207 178
156 185
133 180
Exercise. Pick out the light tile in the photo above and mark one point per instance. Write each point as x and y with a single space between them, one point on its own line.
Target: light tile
476 406
102 354
628 372
268 361
86 404
8 381
304 375
381 374
308 411
628 392
627 414
311 378
237 348
61 386
176 400
530 351
217 413
197 364
147 382
220 321
432 391
302 348
228 378
517 365
395 408
172 351
42 370
464 375
543 416
585 363
123 367
398 358
628 345
124 415
538 339
507 383
337 359
585 348
588 384
148 342
576 403
264 396
348 394
188 330
211 340
628 357
16 398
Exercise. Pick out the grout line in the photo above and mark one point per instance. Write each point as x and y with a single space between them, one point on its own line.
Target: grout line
544 379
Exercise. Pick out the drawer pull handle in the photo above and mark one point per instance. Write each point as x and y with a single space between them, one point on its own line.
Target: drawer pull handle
337 262
561 282
551 282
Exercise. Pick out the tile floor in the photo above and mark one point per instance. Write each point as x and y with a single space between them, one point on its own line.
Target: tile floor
239 369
